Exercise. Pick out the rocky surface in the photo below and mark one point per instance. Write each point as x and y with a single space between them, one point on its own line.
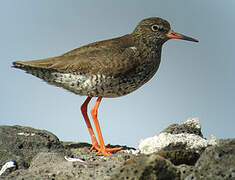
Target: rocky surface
186 136
178 152
216 162
21 144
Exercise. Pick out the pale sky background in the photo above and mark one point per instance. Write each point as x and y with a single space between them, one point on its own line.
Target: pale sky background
194 79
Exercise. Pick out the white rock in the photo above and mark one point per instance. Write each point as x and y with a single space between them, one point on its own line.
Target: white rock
193 122
163 140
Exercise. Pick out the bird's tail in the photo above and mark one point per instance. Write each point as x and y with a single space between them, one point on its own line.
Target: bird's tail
19 65
34 68
41 63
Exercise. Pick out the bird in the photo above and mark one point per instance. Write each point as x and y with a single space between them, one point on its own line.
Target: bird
107 69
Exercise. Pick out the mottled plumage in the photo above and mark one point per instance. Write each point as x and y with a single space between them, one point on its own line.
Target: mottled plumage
108 68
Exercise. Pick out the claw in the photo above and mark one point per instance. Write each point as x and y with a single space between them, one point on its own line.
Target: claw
105 151
94 146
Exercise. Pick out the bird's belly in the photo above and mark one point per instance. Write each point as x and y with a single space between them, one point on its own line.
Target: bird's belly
102 85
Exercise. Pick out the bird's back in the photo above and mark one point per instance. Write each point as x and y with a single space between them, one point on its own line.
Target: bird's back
107 68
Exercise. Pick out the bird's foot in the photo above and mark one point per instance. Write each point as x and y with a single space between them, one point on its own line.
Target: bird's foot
105 150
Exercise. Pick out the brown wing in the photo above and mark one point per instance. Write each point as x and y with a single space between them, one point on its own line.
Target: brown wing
107 57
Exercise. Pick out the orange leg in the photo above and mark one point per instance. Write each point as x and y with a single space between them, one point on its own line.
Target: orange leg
88 123
101 149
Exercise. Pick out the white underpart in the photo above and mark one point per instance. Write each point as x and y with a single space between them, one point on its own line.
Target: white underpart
92 85
9 164
67 78
88 82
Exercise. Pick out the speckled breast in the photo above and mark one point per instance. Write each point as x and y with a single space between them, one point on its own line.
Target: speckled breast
105 86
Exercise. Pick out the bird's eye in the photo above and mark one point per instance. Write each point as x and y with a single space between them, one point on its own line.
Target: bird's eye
155 27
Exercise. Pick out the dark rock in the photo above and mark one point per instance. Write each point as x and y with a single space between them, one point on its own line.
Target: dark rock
39 154
185 170
82 151
49 165
149 167
21 144
43 158
178 157
45 165
216 162
191 126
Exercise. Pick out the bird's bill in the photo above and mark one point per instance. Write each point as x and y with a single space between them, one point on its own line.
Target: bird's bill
174 35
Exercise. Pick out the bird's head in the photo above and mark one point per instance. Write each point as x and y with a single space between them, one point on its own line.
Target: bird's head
158 31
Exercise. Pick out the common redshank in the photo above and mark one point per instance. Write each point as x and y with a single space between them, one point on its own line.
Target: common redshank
109 68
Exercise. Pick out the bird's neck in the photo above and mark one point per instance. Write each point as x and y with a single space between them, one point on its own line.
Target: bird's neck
146 44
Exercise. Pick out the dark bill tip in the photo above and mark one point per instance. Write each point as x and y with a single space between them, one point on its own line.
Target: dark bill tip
173 35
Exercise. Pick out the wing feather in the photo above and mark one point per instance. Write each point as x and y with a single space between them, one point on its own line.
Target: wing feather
107 57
